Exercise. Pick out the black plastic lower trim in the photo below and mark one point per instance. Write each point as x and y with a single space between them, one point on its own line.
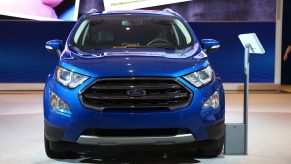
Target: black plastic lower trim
69 146
216 131
75 147
53 133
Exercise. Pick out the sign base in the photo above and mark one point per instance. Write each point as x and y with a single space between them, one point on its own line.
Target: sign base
234 139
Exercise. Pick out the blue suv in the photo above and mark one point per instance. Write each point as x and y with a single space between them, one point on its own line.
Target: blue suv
133 80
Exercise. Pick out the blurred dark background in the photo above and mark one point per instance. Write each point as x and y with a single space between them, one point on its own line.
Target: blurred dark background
286 40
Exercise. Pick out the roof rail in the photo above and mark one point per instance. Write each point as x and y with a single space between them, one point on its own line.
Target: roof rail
91 11
171 11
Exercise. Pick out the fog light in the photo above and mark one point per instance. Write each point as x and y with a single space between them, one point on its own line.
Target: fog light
58 104
212 102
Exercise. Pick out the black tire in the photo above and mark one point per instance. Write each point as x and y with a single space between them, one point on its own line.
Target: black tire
212 149
54 154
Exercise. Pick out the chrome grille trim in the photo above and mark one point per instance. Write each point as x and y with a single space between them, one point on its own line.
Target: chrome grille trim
175 95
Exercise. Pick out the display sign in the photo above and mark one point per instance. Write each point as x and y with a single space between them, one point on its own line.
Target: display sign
45 10
191 10
136 4
252 42
220 20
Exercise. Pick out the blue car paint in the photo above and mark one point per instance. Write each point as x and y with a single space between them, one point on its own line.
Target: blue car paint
82 118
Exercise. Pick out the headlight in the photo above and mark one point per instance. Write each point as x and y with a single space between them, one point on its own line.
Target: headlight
68 78
200 78
212 101
58 104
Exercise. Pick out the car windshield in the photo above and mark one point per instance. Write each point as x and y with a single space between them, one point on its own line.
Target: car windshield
131 31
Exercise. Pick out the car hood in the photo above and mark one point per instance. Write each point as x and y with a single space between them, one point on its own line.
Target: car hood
130 63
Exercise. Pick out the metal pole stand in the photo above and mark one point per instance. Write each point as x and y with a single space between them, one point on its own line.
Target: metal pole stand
236 134
246 95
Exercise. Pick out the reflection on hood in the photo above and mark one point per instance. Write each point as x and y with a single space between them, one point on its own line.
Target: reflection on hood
193 51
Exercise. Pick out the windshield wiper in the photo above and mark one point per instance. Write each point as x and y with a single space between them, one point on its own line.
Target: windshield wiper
141 46
135 46
167 48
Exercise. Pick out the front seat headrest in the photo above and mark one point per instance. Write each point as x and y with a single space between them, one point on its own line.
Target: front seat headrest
105 36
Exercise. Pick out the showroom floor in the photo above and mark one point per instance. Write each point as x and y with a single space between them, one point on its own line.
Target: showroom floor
21 132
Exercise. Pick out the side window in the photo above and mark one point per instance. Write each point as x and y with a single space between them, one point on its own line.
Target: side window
184 33
85 35
80 32
175 31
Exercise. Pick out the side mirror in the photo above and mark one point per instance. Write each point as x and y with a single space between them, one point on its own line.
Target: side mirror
54 46
209 45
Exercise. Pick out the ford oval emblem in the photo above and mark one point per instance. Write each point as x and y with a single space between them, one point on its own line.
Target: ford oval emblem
136 92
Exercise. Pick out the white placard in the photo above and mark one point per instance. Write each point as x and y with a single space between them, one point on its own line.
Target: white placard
252 40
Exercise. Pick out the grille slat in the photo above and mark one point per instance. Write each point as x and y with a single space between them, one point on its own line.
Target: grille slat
136 93
147 97
110 87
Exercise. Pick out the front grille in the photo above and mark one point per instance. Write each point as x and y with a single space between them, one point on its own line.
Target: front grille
136 93
135 132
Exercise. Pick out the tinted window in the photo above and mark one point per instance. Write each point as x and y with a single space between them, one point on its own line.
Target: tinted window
132 31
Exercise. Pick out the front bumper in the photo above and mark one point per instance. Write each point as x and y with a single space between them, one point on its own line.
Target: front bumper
202 126
117 141
85 143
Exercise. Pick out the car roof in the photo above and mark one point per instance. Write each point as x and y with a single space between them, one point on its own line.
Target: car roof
166 12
